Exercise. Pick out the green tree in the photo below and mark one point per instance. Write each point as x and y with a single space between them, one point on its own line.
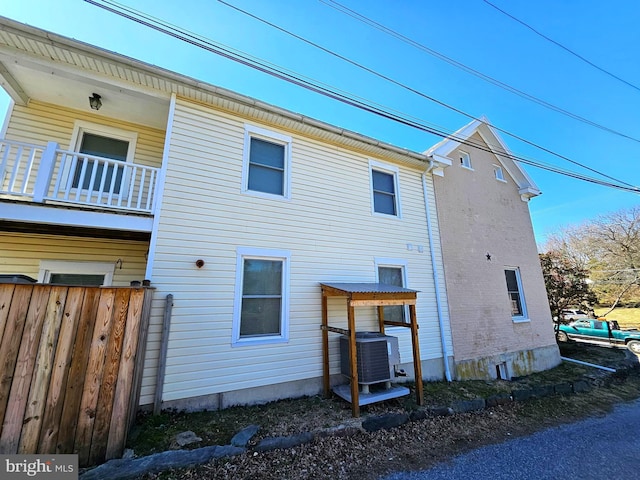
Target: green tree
566 282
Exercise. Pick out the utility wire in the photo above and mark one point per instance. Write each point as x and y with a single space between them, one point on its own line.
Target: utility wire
352 13
244 59
566 49
416 92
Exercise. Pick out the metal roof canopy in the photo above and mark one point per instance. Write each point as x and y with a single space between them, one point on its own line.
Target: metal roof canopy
379 295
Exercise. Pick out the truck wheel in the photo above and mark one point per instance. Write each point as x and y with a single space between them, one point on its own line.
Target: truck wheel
562 337
634 346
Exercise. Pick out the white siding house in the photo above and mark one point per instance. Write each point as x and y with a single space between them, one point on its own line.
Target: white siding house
236 208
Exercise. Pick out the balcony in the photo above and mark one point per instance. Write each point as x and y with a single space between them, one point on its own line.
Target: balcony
50 175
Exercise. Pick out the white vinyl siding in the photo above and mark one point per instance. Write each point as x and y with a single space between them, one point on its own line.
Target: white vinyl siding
327 227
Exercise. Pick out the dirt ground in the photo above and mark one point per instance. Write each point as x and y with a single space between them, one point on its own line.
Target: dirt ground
416 445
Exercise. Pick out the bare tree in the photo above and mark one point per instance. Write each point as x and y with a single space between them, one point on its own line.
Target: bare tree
608 247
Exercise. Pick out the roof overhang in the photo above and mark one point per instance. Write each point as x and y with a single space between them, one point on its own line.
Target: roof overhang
37 64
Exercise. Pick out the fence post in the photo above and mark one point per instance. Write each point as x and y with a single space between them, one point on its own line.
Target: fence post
45 172
162 361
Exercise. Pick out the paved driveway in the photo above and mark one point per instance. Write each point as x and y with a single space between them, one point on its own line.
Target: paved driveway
597 448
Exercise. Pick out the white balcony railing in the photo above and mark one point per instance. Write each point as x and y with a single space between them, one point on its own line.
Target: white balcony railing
53 175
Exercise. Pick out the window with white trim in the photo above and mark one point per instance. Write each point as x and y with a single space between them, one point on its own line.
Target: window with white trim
108 143
392 272
64 272
465 159
498 173
516 294
385 198
266 163
261 309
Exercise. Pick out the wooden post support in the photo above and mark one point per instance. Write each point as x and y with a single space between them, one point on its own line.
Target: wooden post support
355 394
326 380
381 318
417 365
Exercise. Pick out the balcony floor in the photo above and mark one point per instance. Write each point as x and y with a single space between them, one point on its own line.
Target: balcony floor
34 217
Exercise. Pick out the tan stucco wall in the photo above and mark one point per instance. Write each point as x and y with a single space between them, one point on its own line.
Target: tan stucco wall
480 215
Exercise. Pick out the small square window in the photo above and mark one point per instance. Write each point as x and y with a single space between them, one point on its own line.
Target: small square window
384 189
266 162
465 160
499 174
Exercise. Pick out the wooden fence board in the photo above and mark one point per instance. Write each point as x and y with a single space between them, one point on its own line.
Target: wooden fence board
93 378
6 293
23 373
119 421
59 375
109 378
11 343
134 399
77 371
71 361
42 371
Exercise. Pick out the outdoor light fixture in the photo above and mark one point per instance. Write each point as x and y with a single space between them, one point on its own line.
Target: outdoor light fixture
95 101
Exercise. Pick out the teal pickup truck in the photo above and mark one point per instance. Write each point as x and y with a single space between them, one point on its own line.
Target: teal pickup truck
600 332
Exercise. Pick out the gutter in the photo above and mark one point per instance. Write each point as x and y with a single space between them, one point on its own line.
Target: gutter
436 279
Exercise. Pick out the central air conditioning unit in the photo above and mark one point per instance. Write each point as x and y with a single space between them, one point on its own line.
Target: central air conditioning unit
376 357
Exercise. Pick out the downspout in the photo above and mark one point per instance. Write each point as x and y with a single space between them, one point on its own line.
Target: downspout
436 278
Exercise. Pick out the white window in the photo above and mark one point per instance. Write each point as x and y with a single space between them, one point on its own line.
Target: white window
465 159
393 272
516 294
261 307
63 272
385 196
266 163
499 174
93 174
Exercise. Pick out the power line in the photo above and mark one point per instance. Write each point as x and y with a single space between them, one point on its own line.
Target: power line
416 92
358 16
316 87
567 49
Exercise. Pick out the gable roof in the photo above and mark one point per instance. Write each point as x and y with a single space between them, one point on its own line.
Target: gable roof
441 150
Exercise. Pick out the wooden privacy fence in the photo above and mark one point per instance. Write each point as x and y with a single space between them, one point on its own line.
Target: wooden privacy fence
71 362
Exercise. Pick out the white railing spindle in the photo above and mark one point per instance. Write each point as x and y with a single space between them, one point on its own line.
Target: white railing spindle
47 174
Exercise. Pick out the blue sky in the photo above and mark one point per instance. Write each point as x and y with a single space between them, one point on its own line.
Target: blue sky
469 31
